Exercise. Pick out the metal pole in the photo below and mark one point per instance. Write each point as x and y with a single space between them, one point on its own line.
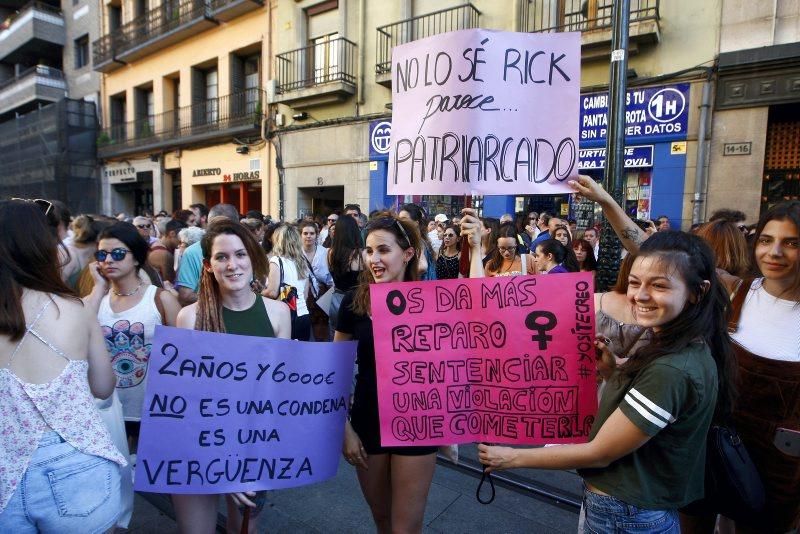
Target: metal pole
701 170
610 247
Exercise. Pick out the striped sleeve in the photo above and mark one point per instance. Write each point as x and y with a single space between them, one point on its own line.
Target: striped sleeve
656 398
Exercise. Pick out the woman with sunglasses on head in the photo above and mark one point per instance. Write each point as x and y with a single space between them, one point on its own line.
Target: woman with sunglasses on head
227 303
394 480
449 254
59 469
427 255
505 260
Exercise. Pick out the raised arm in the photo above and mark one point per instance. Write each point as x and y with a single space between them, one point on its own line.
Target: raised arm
471 226
628 232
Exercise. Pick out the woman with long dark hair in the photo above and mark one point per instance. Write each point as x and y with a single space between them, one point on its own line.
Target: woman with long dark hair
344 262
427 256
505 260
667 392
449 253
563 236
59 469
767 345
766 312
584 254
228 303
394 480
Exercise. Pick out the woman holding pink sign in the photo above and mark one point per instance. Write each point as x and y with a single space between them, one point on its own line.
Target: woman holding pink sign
646 454
395 480
229 301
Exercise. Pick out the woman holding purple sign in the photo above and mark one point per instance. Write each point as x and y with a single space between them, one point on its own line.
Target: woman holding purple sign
395 480
229 301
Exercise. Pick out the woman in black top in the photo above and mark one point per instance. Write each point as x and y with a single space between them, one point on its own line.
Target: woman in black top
449 254
395 480
344 262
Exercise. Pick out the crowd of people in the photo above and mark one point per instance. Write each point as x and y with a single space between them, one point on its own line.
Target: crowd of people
701 328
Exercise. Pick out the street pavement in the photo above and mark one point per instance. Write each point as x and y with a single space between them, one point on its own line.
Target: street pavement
337 506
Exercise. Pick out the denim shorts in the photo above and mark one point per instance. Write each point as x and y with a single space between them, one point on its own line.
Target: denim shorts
607 515
64 490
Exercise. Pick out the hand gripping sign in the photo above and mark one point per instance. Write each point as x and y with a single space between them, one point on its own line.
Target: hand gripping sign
225 413
485 112
503 360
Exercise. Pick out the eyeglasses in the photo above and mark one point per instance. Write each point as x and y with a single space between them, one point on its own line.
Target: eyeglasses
449 236
46 205
143 226
507 249
332 220
117 254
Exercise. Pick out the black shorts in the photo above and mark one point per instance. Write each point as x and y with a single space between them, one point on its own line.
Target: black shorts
366 423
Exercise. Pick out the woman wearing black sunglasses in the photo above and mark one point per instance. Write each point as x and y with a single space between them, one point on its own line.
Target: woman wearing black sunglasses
128 308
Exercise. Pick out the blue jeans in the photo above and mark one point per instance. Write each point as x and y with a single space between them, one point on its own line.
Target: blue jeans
64 490
607 515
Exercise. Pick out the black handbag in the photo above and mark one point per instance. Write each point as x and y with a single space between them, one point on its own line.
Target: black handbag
733 486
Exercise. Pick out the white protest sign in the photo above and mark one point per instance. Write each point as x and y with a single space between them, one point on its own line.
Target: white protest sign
485 112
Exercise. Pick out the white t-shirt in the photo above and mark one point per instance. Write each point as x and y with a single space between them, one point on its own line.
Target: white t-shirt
128 336
290 277
769 327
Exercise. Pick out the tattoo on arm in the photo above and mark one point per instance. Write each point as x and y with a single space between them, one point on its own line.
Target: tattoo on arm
632 234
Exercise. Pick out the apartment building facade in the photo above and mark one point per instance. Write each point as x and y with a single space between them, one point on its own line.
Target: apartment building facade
754 156
333 95
184 104
47 147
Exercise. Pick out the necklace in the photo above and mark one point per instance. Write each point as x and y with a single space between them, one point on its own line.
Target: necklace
127 294
510 265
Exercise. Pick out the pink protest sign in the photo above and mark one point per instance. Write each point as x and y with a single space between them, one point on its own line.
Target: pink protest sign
485 112
503 360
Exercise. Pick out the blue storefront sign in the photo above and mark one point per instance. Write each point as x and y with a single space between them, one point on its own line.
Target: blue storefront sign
652 114
637 156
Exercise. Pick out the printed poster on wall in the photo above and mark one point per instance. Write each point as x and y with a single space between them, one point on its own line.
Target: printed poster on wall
485 112
502 360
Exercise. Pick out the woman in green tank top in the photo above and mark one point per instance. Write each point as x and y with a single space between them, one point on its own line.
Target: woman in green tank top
233 267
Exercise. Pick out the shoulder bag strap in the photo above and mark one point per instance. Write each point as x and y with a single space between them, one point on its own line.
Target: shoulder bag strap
280 265
524 258
736 304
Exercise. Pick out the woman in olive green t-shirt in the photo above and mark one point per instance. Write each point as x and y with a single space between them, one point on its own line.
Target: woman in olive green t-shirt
646 454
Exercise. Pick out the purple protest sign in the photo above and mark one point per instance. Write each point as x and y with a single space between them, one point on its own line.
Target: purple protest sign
485 112
226 413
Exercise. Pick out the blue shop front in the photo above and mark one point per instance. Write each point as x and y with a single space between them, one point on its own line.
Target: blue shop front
380 132
655 156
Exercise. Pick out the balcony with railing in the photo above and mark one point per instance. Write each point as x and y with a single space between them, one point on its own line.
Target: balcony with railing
35 32
322 73
169 23
593 19
462 17
237 114
31 87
